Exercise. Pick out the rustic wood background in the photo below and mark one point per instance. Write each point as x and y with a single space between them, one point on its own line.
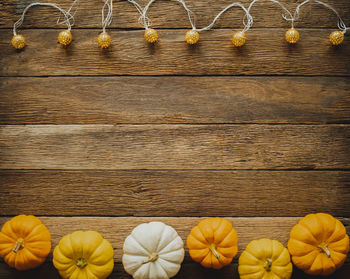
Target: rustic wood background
108 140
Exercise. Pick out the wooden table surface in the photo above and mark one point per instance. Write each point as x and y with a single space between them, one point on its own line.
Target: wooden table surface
108 140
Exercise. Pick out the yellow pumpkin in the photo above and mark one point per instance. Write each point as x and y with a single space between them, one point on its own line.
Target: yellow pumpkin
213 243
83 255
265 259
25 242
318 244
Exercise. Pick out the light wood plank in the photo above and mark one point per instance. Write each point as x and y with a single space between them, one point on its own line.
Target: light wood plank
266 53
107 100
117 229
188 270
174 193
174 147
169 14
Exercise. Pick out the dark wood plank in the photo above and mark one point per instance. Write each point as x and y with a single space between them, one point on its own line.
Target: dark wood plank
174 193
175 147
117 229
108 100
188 270
266 53
169 14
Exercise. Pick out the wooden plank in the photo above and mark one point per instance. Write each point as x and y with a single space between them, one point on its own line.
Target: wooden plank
171 14
174 193
107 100
175 147
266 53
117 229
188 270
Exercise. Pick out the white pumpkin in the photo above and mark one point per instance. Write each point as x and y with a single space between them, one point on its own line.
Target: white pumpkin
153 251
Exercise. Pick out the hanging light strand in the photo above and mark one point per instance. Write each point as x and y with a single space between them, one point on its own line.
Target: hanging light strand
247 21
107 20
71 14
341 25
286 15
68 17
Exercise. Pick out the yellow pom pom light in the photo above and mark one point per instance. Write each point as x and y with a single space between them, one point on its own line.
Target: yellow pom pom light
336 37
292 36
65 37
18 41
151 35
104 40
192 37
238 39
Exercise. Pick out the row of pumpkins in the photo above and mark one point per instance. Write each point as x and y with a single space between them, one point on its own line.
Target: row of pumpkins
318 245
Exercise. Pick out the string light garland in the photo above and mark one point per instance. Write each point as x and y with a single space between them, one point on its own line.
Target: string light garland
64 37
336 37
239 38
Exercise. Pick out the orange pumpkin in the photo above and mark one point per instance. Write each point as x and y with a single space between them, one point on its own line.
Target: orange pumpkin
213 243
318 244
25 242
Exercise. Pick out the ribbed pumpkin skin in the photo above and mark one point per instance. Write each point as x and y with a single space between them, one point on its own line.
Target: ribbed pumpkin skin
153 251
83 247
216 233
36 242
265 259
307 238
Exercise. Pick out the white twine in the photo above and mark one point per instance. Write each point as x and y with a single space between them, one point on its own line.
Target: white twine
236 4
287 16
341 25
67 15
145 20
108 19
71 19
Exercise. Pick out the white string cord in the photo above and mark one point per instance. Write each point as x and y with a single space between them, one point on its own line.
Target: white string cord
190 14
143 19
146 22
108 19
341 25
67 15
236 4
287 16
71 15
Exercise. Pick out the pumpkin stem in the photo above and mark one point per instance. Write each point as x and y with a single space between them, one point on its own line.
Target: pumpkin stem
268 264
81 263
212 248
19 245
323 247
152 257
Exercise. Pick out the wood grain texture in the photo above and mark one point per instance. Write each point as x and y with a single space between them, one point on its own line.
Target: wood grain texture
174 193
169 14
143 100
266 53
188 270
117 229
174 147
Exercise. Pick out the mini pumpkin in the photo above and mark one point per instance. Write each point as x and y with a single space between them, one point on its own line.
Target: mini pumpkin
265 258
154 251
213 242
318 244
25 242
83 255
